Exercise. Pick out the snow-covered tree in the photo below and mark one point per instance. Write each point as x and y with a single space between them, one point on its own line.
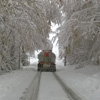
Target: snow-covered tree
80 30
25 26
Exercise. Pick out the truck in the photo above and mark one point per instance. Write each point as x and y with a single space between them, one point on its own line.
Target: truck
46 61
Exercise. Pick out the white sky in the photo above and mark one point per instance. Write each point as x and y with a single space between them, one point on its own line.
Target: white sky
55 45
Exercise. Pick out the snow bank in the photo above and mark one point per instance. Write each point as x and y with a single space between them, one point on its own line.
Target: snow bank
86 81
16 81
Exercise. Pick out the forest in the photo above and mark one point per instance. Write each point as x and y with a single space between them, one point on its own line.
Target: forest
25 26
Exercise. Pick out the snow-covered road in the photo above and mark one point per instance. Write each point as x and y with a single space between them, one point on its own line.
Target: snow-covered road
46 86
85 82
50 89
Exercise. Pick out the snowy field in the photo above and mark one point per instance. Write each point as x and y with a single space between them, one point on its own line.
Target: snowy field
85 81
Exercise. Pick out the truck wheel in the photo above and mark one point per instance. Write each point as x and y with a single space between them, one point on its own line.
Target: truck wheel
38 70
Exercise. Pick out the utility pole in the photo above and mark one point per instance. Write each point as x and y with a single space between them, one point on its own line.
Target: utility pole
19 58
65 60
65 56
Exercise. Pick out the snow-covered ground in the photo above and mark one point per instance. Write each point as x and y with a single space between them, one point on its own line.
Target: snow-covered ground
13 84
85 81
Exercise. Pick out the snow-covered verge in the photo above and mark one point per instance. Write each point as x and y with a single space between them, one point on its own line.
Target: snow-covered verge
85 81
13 84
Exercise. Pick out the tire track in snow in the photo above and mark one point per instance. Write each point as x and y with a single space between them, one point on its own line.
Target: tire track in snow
50 89
32 92
71 94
